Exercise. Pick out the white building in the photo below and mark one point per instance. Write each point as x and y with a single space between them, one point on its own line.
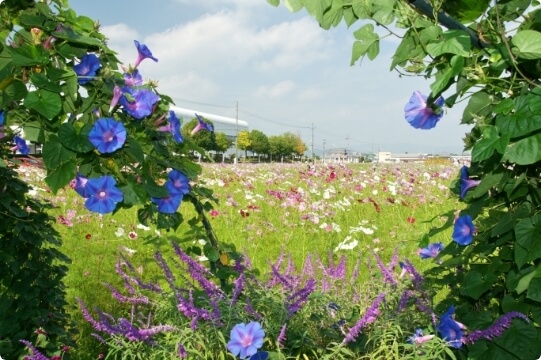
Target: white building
227 125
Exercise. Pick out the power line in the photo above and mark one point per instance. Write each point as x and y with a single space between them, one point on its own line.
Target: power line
272 121
204 103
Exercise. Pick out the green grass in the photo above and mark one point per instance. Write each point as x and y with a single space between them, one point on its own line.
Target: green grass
263 210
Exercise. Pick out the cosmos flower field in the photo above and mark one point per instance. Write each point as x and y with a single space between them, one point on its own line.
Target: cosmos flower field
324 211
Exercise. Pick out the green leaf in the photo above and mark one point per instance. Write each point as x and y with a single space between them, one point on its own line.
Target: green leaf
134 194
456 42
293 5
465 11
479 105
55 154
60 176
74 140
134 149
534 289
528 44
527 246
367 43
524 152
383 11
317 8
476 284
46 103
489 142
444 77
274 2
28 55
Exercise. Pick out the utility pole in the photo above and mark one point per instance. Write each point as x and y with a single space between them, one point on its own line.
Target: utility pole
237 135
324 155
312 142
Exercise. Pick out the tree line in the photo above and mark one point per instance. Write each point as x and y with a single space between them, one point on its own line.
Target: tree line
275 147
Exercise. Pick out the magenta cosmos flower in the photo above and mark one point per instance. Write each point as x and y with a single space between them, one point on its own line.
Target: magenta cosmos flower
107 135
143 52
87 68
245 339
464 230
421 115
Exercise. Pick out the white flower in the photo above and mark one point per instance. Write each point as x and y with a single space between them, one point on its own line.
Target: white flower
143 227
119 232
347 244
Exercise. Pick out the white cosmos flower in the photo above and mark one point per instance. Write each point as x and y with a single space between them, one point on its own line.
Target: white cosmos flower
347 244
119 232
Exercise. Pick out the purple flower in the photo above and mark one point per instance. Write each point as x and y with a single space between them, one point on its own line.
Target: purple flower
369 317
465 182
449 329
201 125
143 53
464 230
173 127
107 135
133 79
117 94
104 195
139 102
260 355
20 145
421 115
245 339
178 183
2 117
168 204
282 336
36 355
79 186
418 337
431 251
496 329
182 351
87 68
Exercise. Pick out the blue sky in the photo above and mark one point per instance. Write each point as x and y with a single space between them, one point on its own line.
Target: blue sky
285 72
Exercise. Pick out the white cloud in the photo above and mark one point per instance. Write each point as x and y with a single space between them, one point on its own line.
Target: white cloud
275 91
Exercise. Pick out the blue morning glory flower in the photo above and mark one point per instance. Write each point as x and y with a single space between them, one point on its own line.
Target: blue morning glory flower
418 337
170 203
420 115
173 127
2 117
133 79
449 329
201 125
464 230
20 145
431 251
87 68
107 135
80 186
104 195
465 182
178 183
245 339
143 52
141 102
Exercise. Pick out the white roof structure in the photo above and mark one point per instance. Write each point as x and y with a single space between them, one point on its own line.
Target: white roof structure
227 125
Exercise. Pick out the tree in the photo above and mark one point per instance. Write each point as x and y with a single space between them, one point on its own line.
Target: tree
259 142
488 54
223 142
243 141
